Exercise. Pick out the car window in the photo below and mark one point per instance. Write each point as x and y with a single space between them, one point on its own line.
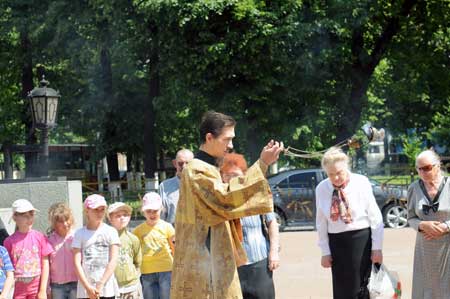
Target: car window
283 184
374 150
301 180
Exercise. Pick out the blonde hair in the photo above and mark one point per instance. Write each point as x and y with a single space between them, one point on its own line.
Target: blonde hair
333 156
434 157
59 212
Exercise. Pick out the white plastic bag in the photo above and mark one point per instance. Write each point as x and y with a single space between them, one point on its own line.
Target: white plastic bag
384 284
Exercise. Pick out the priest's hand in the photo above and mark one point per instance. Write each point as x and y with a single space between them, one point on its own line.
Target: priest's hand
271 152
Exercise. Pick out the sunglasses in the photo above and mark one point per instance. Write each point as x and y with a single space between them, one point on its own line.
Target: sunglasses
426 168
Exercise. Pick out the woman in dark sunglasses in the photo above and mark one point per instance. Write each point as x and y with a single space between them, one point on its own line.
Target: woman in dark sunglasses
429 214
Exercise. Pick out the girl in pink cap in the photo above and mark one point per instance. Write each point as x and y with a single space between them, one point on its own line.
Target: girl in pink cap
157 238
96 247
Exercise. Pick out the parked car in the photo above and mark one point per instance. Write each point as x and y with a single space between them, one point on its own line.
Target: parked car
294 199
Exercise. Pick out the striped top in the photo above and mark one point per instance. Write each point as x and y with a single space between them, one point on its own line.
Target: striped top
255 244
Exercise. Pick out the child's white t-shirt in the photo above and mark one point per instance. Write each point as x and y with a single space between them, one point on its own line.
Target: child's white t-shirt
94 246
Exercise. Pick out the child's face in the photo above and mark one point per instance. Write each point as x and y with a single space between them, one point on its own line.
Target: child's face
120 219
95 215
24 221
63 226
152 216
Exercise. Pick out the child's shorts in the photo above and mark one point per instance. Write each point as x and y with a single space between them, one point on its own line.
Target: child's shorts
26 288
129 295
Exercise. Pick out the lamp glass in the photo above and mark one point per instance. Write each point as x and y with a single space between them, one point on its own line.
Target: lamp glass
39 107
52 106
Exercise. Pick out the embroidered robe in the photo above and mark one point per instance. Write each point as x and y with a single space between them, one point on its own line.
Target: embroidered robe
206 204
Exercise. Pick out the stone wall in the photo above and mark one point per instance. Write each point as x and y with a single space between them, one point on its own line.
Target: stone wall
42 195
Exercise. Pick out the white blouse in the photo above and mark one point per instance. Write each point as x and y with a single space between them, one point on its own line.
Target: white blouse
363 208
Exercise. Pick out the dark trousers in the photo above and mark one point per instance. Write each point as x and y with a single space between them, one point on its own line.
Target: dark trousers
256 281
351 264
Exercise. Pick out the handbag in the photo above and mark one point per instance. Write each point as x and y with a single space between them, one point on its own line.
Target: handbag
384 284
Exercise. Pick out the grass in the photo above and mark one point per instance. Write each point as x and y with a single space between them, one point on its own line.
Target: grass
397 179
394 180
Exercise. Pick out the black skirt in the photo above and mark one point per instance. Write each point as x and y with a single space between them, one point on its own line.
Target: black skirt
257 281
351 264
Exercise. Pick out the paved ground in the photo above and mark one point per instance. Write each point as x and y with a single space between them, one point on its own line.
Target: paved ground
300 275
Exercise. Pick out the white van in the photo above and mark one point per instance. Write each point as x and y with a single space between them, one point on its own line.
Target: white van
375 154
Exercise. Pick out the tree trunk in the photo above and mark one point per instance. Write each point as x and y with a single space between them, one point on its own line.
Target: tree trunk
252 142
352 109
130 164
113 167
162 157
27 86
150 161
110 126
137 163
7 155
362 68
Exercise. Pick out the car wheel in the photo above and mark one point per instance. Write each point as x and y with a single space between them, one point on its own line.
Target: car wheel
395 215
281 219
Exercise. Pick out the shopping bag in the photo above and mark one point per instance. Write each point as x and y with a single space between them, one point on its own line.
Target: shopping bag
384 284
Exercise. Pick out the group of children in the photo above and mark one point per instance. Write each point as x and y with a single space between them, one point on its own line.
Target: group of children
95 261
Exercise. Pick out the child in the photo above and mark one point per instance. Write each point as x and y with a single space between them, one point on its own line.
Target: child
29 251
6 273
130 256
63 279
95 248
157 238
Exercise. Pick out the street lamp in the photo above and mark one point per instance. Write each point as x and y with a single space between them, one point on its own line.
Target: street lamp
44 105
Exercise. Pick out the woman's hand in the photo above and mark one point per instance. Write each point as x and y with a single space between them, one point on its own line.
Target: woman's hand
274 259
326 261
432 229
377 257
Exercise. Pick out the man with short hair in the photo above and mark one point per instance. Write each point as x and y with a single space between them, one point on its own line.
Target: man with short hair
169 189
208 244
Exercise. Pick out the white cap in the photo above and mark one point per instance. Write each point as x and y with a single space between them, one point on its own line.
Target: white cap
22 206
117 206
151 201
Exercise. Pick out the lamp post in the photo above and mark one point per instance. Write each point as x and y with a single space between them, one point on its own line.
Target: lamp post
44 105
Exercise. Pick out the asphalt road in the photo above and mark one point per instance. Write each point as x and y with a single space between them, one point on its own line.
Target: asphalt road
300 275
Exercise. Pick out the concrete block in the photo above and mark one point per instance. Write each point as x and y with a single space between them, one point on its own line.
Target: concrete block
42 195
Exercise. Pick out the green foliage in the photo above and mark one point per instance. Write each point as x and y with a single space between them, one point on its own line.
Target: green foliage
285 69
440 131
412 146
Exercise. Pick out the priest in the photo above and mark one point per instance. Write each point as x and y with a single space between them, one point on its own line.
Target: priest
207 239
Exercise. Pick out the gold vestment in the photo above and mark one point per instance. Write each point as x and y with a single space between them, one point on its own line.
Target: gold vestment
206 203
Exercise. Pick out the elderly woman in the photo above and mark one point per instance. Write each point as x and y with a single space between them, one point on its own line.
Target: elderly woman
349 225
429 214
